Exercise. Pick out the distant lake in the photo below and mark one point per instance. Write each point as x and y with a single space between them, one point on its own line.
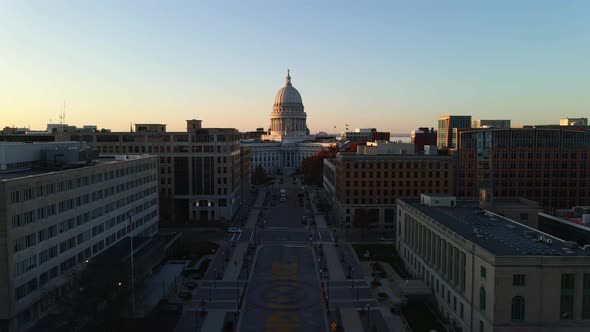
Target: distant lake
404 139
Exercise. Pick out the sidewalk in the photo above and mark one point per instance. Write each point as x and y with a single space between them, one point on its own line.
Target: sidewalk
351 321
394 321
214 321
232 271
333 262
215 318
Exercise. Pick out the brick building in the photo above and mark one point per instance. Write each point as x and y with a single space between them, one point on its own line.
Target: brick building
549 165
368 185
423 136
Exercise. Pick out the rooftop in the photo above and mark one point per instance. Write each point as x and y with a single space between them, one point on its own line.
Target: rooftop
498 235
103 160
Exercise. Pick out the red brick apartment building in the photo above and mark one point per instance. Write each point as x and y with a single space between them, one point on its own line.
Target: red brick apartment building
370 184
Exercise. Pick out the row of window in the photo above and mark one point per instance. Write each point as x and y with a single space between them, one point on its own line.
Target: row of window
26 194
447 259
226 148
51 273
51 210
51 231
401 164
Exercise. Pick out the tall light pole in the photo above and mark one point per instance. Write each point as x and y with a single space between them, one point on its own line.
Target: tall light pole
368 314
132 265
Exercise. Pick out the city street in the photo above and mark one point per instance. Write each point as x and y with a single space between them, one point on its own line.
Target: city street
294 285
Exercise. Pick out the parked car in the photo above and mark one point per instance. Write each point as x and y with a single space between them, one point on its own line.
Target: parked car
234 230
283 199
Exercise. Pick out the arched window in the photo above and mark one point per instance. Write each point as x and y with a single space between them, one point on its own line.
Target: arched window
482 299
518 309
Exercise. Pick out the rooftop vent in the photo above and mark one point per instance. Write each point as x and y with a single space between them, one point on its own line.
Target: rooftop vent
530 234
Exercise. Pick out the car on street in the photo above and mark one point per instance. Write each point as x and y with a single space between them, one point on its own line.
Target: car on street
283 199
234 230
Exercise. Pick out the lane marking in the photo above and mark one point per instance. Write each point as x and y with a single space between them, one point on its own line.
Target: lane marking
233 237
320 235
332 236
240 235
251 235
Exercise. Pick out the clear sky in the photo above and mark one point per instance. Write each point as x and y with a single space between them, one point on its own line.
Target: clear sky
393 65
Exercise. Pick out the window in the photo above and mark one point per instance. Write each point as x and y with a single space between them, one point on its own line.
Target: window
524 216
482 272
586 297
566 305
482 299
517 309
461 310
518 280
481 326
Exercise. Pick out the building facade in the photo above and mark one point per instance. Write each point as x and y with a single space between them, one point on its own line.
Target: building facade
490 274
423 136
490 124
288 142
362 135
53 221
549 165
447 129
367 186
200 170
573 121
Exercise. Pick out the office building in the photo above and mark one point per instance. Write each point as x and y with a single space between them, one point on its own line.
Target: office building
61 206
548 165
490 274
490 124
365 186
199 170
423 136
447 129
573 121
362 135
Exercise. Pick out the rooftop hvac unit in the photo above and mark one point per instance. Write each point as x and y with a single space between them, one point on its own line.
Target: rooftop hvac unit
548 241
542 238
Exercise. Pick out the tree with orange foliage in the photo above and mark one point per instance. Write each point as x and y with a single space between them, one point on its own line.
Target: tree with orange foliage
313 167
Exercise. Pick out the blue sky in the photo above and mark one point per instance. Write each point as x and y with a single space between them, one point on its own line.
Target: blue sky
393 65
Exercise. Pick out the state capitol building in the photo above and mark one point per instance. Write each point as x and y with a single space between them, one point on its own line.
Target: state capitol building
287 142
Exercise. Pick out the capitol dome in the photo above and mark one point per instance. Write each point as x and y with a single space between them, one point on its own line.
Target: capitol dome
288 95
288 117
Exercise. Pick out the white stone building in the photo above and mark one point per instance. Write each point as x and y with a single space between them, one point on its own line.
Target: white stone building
288 141
488 273
57 214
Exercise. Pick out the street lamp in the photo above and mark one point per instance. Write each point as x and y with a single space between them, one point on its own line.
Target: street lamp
238 296
368 314
215 277
130 215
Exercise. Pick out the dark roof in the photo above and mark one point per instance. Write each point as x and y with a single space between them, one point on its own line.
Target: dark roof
498 235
